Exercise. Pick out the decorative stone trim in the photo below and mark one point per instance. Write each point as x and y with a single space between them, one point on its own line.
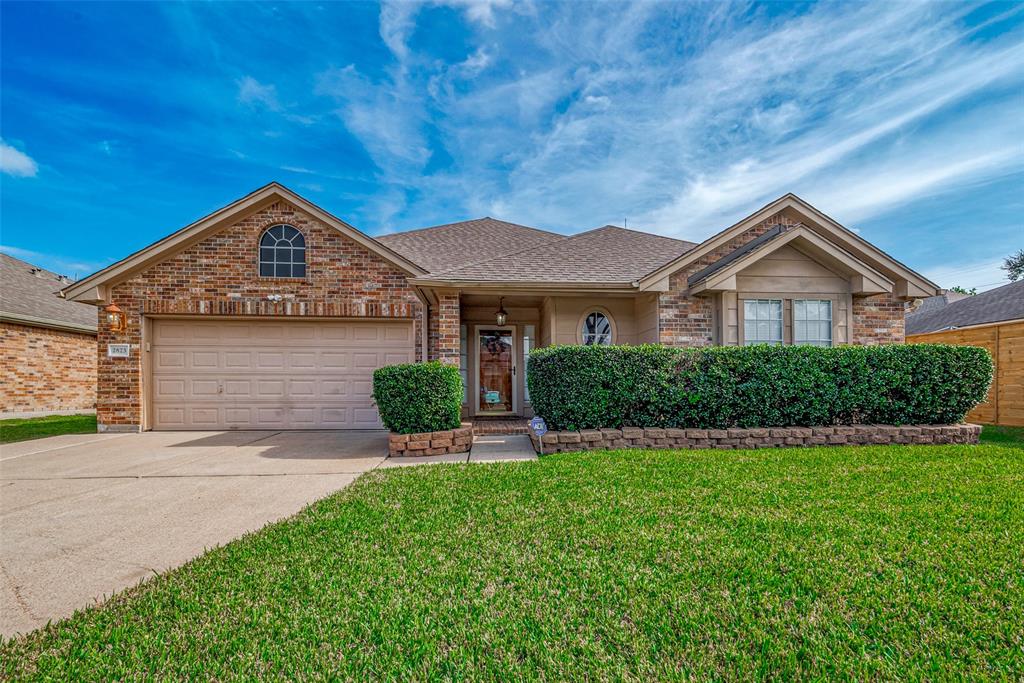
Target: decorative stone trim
766 437
432 443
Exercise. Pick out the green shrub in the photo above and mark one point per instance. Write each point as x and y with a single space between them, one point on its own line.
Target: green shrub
587 387
418 397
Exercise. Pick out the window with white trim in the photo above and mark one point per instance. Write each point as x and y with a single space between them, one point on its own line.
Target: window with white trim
762 321
597 329
282 252
812 322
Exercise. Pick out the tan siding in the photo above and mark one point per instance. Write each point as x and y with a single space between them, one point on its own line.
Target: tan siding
569 312
789 271
1005 402
646 314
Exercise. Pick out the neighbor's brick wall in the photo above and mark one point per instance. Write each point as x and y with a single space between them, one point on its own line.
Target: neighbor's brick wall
219 276
767 437
879 319
46 369
443 342
687 320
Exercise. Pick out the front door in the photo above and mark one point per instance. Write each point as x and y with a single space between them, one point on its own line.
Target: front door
496 370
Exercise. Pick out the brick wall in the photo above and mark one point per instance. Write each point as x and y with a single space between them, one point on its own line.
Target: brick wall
879 319
46 370
443 343
687 320
219 276
767 437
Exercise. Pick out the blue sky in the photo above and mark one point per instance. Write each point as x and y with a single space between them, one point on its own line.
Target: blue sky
123 122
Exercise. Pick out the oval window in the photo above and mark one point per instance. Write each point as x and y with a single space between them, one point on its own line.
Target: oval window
597 329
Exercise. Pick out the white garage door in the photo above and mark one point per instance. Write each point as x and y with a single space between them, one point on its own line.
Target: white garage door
220 374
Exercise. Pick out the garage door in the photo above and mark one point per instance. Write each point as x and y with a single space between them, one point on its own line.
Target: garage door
219 374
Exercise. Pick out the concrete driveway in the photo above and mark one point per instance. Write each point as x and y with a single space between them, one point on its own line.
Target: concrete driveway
84 516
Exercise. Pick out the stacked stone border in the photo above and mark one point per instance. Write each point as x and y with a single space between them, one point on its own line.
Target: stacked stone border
432 443
768 437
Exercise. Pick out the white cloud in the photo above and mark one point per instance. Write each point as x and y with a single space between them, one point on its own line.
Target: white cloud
16 163
251 91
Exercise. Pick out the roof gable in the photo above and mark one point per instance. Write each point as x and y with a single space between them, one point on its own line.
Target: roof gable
94 287
907 283
722 274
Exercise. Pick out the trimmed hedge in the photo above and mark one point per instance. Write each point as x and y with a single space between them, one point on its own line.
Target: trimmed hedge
589 387
418 397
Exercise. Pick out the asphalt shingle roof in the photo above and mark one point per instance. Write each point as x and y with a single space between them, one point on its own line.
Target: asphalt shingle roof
995 305
453 245
608 254
27 290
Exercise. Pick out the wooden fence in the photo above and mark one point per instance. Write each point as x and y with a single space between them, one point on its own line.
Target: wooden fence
1005 341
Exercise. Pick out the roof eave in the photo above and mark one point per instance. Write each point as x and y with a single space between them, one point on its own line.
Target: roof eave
48 323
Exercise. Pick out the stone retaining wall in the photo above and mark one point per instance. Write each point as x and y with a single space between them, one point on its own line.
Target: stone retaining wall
769 437
432 443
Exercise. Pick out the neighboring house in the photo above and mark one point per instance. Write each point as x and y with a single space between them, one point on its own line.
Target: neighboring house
993 320
49 344
272 313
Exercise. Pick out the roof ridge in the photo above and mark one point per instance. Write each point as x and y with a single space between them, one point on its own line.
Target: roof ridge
463 222
644 232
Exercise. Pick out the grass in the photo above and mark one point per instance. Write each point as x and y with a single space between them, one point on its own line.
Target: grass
39 427
867 563
1003 436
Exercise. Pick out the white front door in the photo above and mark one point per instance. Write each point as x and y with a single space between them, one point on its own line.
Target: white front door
496 370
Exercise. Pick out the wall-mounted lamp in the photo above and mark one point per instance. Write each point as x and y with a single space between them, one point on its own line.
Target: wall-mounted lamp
116 318
501 316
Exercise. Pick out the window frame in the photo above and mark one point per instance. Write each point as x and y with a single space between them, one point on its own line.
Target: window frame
291 245
781 320
842 306
590 310
817 341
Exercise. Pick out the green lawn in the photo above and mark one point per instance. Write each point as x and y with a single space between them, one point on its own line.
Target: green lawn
38 427
1003 436
870 563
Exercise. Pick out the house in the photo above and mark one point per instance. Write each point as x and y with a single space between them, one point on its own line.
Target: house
48 359
993 320
271 313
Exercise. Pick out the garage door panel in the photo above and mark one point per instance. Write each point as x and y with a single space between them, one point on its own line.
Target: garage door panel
214 374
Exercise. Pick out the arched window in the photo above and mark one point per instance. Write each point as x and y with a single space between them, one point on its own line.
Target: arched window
282 252
596 329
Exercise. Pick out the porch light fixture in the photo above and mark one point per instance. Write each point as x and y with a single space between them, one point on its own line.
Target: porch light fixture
501 316
116 318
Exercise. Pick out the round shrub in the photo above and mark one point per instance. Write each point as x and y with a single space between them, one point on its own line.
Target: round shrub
588 387
418 397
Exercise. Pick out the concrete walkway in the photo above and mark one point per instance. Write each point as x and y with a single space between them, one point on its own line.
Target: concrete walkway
486 448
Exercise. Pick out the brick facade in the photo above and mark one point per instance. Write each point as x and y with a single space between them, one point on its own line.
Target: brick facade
46 370
766 437
219 276
443 342
879 319
689 320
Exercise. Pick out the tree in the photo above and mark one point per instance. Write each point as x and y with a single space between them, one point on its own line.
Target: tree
1014 266
960 290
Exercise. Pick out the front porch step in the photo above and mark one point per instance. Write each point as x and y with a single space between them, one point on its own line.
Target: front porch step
500 425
